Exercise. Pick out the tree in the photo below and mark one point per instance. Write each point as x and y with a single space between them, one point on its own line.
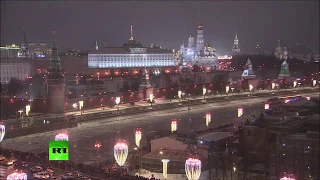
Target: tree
15 87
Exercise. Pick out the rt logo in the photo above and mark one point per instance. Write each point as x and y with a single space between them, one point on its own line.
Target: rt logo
58 150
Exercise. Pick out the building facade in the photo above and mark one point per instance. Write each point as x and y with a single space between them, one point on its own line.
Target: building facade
39 50
131 54
9 51
15 68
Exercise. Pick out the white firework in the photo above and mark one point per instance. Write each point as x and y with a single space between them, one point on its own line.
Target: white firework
120 152
62 136
2 131
193 168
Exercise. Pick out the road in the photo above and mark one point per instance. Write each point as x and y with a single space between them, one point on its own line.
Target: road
83 137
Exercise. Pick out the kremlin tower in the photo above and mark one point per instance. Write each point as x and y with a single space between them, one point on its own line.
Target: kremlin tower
55 83
24 51
235 48
200 39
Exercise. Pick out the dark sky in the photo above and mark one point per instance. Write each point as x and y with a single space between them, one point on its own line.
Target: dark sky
79 24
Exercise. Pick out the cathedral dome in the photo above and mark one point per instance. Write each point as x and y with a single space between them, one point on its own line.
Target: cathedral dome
200 26
132 44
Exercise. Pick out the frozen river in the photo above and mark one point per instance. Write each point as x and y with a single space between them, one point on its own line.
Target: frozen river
83 137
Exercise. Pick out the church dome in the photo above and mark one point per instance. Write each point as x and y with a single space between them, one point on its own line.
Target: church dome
200 26
207 45
132 44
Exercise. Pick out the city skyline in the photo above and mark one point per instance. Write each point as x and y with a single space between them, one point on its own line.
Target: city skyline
165 23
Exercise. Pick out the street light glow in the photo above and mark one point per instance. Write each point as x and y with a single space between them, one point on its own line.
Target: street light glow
138 137
266 106
17 176
227 89
193 168
273 85
117 100
80 105
2 131
173 126
240 112
208 119
294 84
62 136
120 152
28 107
165 167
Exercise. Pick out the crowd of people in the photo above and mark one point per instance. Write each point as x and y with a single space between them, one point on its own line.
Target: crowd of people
98 170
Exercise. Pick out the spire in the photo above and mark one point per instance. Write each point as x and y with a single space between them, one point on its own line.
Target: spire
54 39
24 36
97 46
279 43
131 31
236 35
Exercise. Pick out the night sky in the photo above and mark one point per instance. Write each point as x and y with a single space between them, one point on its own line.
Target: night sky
79 24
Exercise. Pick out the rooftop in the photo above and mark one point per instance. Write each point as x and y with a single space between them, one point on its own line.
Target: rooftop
215 136
178 156
123 50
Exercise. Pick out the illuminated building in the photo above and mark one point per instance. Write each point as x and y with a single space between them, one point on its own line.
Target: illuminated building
39 50
248 72
258 49
199 54
284 71
55 83
15 68
9 51
281 53
131 54
236 48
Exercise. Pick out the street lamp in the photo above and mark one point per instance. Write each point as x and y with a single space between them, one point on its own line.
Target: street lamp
266 106
165 167
20 111
2 131
273 85
117 102
308 98
80 105
204 91
179 94
120 152
151 99
250 88
28 107
193 168
232 91
240 112
314 82
98 145
294 84
227 90
138 137
208 119
173 126
17 176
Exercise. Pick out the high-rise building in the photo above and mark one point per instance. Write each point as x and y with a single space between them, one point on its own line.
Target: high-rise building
55 83
236 48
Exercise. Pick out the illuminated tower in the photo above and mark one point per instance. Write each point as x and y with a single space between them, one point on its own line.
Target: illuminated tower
24 51
191 41
55 83
200 39
97 47
258 48
145 85
284 71
278 51
235 48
